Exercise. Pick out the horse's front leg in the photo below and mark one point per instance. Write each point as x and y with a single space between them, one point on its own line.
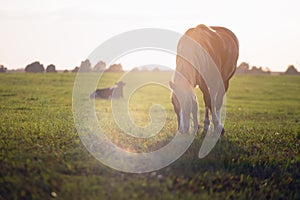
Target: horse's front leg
195 117
216 118
206 119
218 127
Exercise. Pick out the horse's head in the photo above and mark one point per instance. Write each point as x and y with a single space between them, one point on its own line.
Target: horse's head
185 103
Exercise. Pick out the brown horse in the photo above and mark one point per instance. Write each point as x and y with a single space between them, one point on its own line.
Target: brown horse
206 57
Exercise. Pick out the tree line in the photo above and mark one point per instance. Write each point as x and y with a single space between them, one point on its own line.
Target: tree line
85 66
244 68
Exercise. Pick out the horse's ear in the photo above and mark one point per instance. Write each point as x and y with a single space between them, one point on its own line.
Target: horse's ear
171 84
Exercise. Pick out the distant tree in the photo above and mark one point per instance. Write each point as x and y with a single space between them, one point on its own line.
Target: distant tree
100 66
35 67
75 70
66 71
135 69
115 68
156 69
254 70
258 70
51 69
267 70
243 68
144 69
291 70
2 69
85 66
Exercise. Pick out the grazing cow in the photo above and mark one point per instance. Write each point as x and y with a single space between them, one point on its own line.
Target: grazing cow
207 57
108 93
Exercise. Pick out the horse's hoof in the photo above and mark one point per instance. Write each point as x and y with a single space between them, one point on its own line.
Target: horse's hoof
206 128
196 131
223 131
219 129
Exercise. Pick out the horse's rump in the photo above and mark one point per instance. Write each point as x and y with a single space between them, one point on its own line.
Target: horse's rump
217 42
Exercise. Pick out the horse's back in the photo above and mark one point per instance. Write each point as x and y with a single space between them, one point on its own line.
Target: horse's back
221 44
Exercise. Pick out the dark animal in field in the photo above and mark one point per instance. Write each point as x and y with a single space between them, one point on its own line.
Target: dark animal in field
199 52
108 93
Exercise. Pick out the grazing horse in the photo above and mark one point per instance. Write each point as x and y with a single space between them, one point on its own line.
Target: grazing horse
108 93
206 57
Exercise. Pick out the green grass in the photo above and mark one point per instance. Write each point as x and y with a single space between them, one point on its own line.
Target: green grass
40 150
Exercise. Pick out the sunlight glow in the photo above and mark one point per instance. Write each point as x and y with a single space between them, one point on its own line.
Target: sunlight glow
65 32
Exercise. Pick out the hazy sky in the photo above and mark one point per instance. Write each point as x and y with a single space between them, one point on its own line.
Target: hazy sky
65 32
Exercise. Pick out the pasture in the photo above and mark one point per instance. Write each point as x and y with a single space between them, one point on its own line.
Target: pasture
41 152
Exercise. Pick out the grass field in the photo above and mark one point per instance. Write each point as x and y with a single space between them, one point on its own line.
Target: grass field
41 152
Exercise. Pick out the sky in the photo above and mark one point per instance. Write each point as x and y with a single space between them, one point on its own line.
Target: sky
65 32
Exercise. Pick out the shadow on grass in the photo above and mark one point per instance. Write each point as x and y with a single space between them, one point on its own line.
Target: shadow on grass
226 156
221 158
230 168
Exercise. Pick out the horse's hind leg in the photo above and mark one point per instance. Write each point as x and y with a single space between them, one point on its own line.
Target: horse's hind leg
217 115
207 101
